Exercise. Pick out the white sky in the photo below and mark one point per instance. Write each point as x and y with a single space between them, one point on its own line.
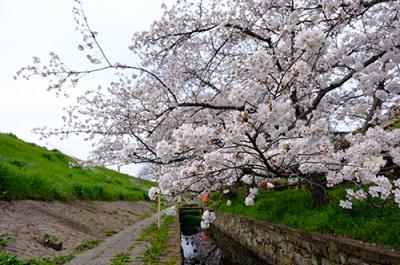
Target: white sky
34 28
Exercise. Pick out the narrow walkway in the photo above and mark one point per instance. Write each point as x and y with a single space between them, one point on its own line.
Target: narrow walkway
172 255
121 242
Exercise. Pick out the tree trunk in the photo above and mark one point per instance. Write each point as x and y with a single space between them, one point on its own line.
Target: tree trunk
316 186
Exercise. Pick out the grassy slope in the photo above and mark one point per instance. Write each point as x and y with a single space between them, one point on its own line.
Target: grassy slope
293 208
28 171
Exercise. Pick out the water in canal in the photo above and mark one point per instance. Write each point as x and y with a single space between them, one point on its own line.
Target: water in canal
210 247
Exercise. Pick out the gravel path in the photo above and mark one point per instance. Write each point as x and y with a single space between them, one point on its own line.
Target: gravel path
125 241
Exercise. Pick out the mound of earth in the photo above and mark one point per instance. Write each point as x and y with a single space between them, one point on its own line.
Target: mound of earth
72 222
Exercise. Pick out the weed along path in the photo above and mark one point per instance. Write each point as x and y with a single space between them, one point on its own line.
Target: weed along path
125 243
138 244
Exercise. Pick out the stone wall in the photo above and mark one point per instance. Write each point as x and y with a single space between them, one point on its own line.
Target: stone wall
282 245
232 251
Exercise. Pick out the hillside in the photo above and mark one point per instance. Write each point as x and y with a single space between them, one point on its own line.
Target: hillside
28 171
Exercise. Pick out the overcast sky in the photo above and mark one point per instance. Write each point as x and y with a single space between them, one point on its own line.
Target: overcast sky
34 28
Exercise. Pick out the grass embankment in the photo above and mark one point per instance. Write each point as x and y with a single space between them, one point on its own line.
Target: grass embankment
294 208
28 171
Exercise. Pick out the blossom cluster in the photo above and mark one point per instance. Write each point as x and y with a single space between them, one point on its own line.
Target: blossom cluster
171 211
207 218
249 200
363 162
153 193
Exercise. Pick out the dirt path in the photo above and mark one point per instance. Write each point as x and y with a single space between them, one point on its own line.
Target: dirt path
125 241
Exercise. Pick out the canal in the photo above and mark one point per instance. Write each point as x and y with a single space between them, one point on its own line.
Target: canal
211 246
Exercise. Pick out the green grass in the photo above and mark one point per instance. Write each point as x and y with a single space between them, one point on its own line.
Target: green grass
294 208
148 232
9 259
395 125
48 239
87 245
4 240
28 171
158 241
120 259
110 232
172 261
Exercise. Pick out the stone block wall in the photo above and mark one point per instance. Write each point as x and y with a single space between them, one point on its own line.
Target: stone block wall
282 245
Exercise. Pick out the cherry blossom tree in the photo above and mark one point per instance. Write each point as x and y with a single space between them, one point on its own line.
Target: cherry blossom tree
234 91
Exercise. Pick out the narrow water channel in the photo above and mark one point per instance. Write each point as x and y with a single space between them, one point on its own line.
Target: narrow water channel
210 247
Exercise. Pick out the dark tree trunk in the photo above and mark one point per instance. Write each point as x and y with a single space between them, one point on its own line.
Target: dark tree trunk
316 185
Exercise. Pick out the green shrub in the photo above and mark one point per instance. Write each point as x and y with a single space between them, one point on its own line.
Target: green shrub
48 239
18 163
12 135
51 242
48 156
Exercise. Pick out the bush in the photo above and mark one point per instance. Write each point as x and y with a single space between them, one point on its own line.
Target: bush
51 242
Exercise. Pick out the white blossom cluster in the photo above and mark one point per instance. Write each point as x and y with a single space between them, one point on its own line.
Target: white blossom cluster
310 40
362 163
249 200
153 193
191 137
164 150
207 218
171 211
